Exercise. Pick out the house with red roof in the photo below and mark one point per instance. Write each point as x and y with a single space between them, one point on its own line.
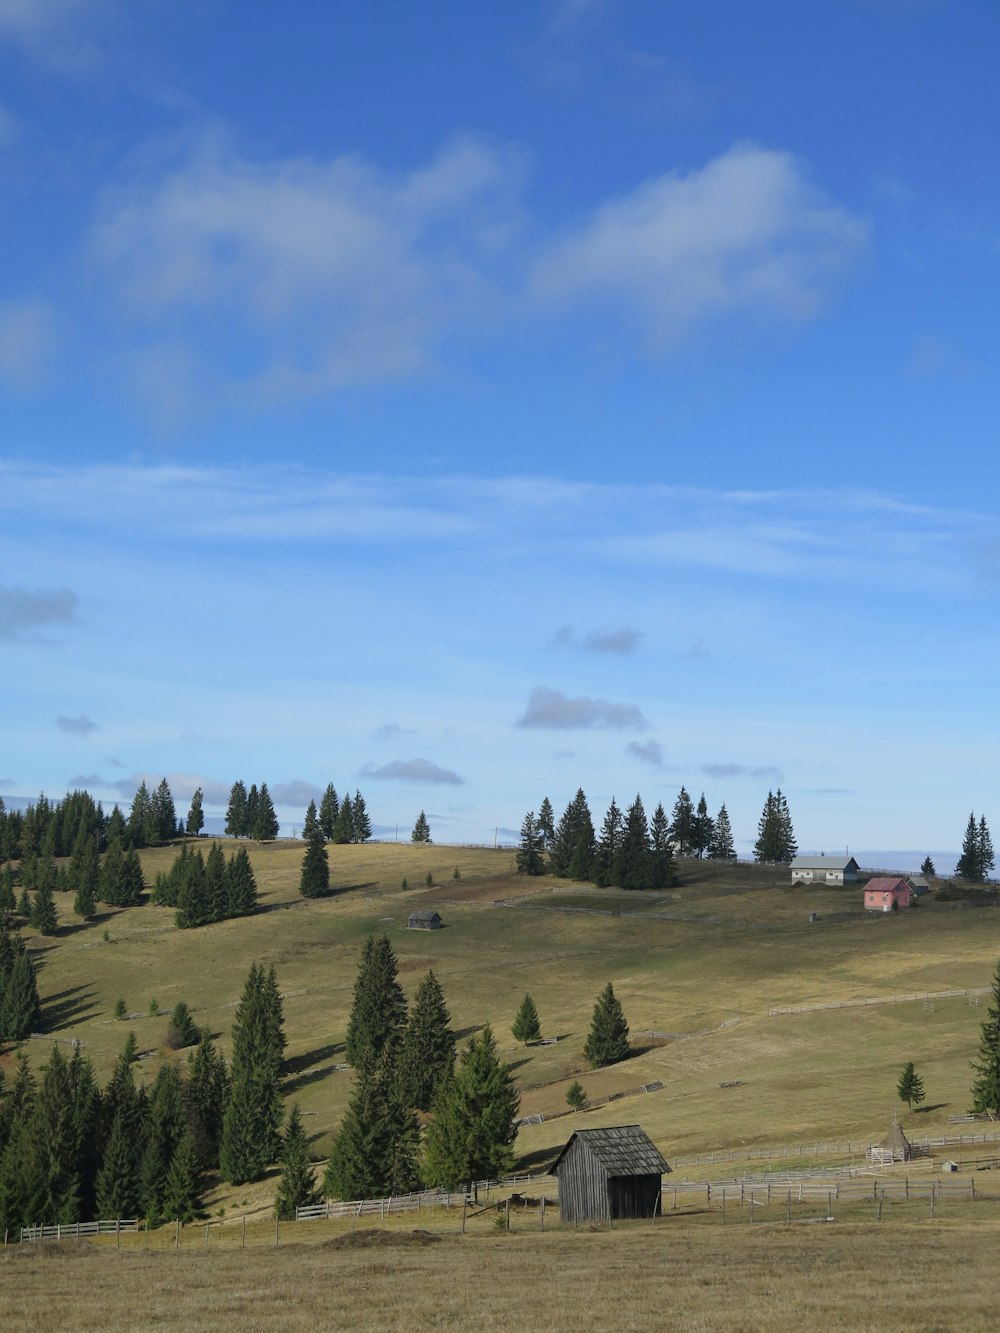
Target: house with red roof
887 893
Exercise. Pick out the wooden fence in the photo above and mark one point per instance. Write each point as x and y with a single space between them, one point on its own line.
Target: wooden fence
410 1203
78 1230
591 1102
866 1001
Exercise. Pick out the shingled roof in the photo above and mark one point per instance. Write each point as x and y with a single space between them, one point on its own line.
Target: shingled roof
623 1150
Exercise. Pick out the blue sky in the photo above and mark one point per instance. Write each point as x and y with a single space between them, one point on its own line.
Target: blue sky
470 403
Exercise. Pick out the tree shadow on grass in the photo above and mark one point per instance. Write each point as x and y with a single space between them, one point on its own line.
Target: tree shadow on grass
303 1080
66 1008
937 1106
297 1064
301 1070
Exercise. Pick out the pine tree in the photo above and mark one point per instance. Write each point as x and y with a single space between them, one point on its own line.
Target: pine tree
141 826
85 870
526 1026
329 807
472 1133
54 1143
421 829
310 825
362 825
241 885
704 827
236 811
118 1178
910 1086
985 847
250 1131
216 884
607 1042
20 1010
206 1095
722 848
343 828
608 846
196 815
378 1012
43 911
265 823
576 1098
788 846
182 1030
661 850
682 823
986 1085
573 848
969 863
165 1126
314 878
529 859
8 900
427 1046
117 828
634 868
297 1187
164 813
374 1152
133 884
193 905
927 868
775 843
547 823
182 1201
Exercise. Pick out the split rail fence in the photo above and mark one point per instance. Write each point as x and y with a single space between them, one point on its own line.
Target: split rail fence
410 1203
78 1230
851 1146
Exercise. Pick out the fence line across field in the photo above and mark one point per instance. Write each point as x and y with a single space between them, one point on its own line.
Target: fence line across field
866 1001
851 1146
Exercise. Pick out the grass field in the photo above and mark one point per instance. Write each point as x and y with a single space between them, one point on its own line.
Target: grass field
742 945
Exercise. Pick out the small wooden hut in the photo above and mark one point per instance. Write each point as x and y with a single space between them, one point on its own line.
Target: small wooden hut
604 1174
424 920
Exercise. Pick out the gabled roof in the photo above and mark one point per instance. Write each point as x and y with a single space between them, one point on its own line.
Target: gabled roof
824 863
424 914
623 1150
886 884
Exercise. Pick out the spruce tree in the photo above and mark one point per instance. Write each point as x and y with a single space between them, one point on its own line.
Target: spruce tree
206 1095
704 827
265 824
164 812
241 885
546 823
314 877
297 1187
165 1126
661 850
608 846
43 911
986 1085
54 1144
634 867
8 900
310 825
182 1030
607 1042
141 825
236 811
343 827
722 848
196 815
374 1152
182 1201
427 1047
526 1026
250 1130
573 847
378 1012
969 863
529 858
362 824
216 900
133 884
85 869
20 1010
117 1192
985 847
193 906
910 1086
576 1097
421 829
682 824
927 868
472 1134
329 807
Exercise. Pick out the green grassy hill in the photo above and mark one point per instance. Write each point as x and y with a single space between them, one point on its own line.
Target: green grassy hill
703 962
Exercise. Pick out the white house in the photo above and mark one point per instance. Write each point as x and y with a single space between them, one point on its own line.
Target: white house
824 870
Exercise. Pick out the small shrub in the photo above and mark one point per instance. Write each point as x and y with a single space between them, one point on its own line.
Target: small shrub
106 936
457 874
430 880
121 1008
154 1008
575 1096
406 884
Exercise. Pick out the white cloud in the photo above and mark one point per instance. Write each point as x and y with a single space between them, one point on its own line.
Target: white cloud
747 232
551 709
27 337
61 34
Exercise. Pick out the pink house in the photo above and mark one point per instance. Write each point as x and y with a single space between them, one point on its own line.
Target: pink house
887 894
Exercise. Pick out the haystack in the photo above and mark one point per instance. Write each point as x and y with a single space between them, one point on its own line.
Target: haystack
897 1143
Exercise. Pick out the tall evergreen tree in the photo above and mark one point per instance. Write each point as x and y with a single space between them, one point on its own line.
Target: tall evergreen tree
704 827
682 823
43 910
362 824
526 1026
265 824
310 825
206 1095
182 1030
216 884
427 1046
547 824
241 885
118 1178
374 1152
141 823
182 1201
297 1187
164 812
20 1010
529 858
472 1134
378 1012
985 845
607 1042
421 829
910 1087
193 904
314 877
608 846
927 868
573 848
250 1131
55 1144
634 867
166 1125
661 848
343 827
236 811
986 1085
329 808
196 815
775 837
722 847
85 869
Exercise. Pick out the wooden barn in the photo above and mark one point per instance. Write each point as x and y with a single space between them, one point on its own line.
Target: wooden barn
424 920
605 1174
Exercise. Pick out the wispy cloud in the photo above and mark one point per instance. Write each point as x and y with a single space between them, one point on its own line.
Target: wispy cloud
64 35
747 232
24 611
76 726
551 709
389 730
650 752
413 770
297 792
27 339
621 641
764 772
10 127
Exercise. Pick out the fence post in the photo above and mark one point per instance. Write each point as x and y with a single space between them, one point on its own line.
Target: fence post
723 1207
177 1235
465 1207
244 1231
118 1233
207 1225
508 1214
543 1212
275 1233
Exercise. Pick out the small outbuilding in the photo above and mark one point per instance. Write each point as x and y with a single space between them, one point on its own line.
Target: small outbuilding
824 870
895 1147
424 920
887 893
919 885
605 1174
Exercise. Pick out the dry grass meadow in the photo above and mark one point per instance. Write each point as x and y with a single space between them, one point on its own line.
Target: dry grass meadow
704 962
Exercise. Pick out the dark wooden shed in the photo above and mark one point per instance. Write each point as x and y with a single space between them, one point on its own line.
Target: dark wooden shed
604 1174
424 920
